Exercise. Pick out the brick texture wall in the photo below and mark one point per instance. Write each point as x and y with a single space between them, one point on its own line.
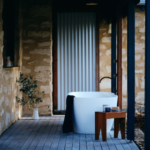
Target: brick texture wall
37 51
10 111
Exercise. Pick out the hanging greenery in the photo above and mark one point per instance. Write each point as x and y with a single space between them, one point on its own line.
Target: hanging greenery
31 95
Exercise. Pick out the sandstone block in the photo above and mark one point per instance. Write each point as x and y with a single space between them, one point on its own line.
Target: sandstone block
139 48
102 74
9 89
101 54
46 89
124 31
141 64
46 60
137 14
1 88
2 48
137 57
46 24
108 68
33 25
26 57
140 97
31 62
40 34
26 47
124 51
109 30
142 30
136 81
44 44
143 57
138 71
124 90
142 38
26 70
5 89
42 73
142 85
1 34
1 100
40 51
105 84
2 112
12 85
6 101
137 23
124 59
7 121
106 39
29 41
108 52
102 46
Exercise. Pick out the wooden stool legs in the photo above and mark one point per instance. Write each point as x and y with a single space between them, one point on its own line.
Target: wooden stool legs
120 124
97 126
100 124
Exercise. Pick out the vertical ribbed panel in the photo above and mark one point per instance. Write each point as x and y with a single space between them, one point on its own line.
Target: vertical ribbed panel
76 46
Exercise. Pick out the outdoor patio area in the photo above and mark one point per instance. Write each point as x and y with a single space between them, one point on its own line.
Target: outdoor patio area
46 134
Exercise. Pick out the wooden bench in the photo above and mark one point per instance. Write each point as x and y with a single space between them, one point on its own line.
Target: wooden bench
101 124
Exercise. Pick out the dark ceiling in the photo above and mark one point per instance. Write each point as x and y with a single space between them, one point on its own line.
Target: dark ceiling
106 8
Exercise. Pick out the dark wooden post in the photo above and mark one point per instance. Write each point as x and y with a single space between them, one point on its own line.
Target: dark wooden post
119 49
131 70
54 59
147 77
113 56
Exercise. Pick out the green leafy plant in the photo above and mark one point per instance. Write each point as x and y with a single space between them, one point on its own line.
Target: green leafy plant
31 95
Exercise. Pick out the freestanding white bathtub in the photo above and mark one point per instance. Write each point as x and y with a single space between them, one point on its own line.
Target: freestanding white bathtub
84 107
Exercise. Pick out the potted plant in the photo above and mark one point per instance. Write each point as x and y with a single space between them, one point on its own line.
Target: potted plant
31 96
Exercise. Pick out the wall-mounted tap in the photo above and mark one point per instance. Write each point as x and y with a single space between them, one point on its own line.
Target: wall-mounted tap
115 91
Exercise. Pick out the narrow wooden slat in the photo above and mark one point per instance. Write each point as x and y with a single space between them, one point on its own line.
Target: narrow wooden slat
116 141
104 145
46 133
132 145
27 133
11 130
31 137
124 143
37 137
20 134
9 136
43 139
49 137
110 142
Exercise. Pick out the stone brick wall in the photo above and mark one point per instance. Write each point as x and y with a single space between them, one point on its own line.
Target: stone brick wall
37 53
37 50
105 56
9 110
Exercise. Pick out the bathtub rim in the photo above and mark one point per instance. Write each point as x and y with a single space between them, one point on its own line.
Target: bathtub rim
112 96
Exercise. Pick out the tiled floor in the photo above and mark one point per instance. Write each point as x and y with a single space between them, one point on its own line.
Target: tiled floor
46 134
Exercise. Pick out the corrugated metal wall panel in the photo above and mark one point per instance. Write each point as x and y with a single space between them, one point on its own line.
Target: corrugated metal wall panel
76 55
